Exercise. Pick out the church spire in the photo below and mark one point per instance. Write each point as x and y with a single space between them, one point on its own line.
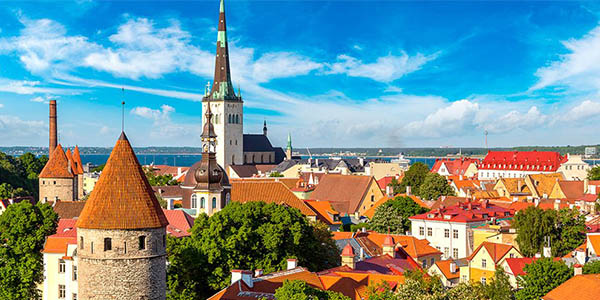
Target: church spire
208 132
222 88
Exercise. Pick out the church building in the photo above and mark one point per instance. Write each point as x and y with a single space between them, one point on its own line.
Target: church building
233 147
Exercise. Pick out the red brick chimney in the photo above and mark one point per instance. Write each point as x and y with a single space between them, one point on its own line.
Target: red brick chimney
53 135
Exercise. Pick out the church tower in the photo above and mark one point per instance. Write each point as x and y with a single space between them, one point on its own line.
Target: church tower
121 234
288 149
228 118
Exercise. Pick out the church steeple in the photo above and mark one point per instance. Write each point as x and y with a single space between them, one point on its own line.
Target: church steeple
222 88
208 136
288 149
265 127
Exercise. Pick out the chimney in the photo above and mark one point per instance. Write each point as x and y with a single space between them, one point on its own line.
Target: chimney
547 251
536 202
258 273
577 269
53 129
453 267
388 191
408 190
389 247
581 255
178 171
361 160
362 253
519 185
586 184
537 255
292 263
243 275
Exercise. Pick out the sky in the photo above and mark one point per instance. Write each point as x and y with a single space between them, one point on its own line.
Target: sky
331 73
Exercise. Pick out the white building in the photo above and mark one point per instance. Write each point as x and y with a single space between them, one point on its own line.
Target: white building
60 263
517 164
574 168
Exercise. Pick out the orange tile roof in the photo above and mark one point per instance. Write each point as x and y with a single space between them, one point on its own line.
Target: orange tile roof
580 287
594 240
289 183
342 235
413 246
68 209
66 234
71 161
267 191
545 182
345 192
57 166
122 198
572 189
496 250
77 159
518 206
444 266
324 211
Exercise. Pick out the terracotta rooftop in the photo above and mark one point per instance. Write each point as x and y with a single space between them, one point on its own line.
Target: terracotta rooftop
68 209
345 192
466 212
447 201
444 266
122 198
77 160
572 189
289 183
325 213
580 287
496 250
180 223
542 161
457 166
518 264
57 165
268 191
66 234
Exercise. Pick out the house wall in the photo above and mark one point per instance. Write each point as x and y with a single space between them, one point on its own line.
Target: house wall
434 270
488 174
478 271
574 168
52 278
372 195
438 240
380 170
259 157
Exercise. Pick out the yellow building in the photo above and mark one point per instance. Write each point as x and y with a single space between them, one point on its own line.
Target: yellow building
494 233
484 260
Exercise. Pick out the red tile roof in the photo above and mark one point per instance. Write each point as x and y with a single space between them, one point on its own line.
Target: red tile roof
57 165
466 212
580 287
383 182
456 166
522 161
497 251
517 265
68 209
345 192
77 160
66 234
268 191
572 189
122 198
325 213
444 266
180 223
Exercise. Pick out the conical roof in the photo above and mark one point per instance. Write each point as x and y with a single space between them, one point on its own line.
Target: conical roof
57 165
122 198
77 159
71 161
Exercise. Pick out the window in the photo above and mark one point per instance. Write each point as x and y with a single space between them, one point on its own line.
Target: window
74 275
447 233
107 244
202 202
483 263
483 279
424 263
464 278
227 198
512 255
446 251
421 230
429 231
81 242
62 293
455 233
164 240
92 247
142 242
61 266
74 296
214 202
455 252
194 201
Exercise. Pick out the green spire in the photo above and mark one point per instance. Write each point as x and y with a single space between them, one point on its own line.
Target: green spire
222 8
289 141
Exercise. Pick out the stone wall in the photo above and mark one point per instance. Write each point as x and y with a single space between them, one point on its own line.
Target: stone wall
125 271
65 189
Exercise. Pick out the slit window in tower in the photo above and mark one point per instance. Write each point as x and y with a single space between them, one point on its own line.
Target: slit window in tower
142 242
107 244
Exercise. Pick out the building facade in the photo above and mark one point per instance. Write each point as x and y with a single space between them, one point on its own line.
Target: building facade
517 164
57 181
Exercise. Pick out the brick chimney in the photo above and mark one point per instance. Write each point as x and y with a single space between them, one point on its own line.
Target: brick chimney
53 129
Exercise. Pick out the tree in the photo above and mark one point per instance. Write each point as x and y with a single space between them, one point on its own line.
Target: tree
592 267
499 288
98 168
275 174
7 191
159 180
249 236
414 177
434 186
23 230
21 173
542 276
162 202
594 173
393 215
300 290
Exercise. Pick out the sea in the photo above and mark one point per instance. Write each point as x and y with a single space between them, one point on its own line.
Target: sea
187 160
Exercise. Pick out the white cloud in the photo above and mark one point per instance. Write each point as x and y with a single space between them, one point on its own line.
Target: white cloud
25 87
162 125
580 68
15 131
458 117
585 110
514 119
1 105
38 99
153 114
387 68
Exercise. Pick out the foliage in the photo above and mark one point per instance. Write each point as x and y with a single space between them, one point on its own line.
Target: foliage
300 290
162 202
98 168
434 186
275 174
394 214
414 177
20 174
542 276
23 230
248 236
566 229
499 288
594 173
592 267
177 205
359 226
159 180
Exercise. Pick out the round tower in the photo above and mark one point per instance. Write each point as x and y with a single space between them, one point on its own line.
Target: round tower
121 234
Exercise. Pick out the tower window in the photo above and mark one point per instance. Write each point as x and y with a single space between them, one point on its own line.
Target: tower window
164 240
92 247
194 203
142 242
107 244
81 242
214 202
61 266
202 202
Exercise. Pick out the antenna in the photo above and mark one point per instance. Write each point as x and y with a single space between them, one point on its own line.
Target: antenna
123 110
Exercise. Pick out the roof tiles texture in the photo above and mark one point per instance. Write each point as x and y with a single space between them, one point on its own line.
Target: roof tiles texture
543 161
122 198
57 165
345 192
581 287
269 192
466 212
496 250
68 209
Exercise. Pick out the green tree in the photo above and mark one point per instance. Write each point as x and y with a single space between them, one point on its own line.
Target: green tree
275 174
249 236
159 180
541 277
162 202
7 191
393 215
98 168
594 173
592 267
499 288
434 186
414 177
23 230
300 290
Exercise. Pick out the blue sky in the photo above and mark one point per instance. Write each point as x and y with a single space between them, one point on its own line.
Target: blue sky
333 73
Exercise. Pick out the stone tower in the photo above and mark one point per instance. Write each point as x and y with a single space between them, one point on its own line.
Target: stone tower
121 234
57 181
206 181
227 107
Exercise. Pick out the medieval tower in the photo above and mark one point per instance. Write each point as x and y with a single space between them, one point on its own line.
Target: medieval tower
121 234
226 105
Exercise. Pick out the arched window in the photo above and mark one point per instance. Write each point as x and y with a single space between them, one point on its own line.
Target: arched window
228 118
194 201
142 242
253 158
245 158
237 119
202 202
233 159
107 244
227 198
214 202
